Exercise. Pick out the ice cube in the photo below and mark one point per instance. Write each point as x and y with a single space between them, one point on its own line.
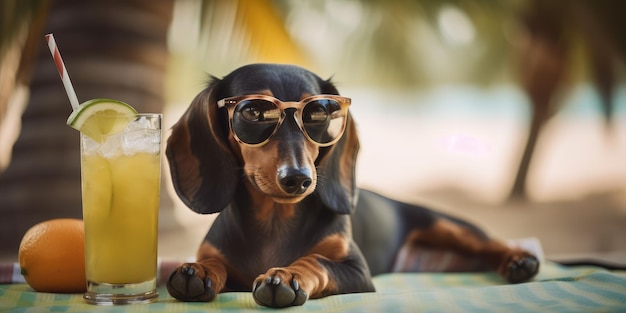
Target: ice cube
111 147
88 145
141 136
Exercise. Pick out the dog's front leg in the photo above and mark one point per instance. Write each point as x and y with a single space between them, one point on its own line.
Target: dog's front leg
293 285
200 281
333 267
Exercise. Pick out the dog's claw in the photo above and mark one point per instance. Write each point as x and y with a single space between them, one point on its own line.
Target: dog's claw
301 296
276 292
188 270
187 283
521 269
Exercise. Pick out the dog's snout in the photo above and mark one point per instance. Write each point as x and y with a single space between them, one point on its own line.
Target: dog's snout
294 181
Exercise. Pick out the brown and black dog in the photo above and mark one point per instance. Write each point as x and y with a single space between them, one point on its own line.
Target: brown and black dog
273 148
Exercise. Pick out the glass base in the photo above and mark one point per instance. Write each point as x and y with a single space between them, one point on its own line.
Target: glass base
114 294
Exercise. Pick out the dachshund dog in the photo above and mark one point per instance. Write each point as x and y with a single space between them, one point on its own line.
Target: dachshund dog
273 149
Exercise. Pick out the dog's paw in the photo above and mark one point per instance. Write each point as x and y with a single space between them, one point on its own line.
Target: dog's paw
278 288
520 267
190 282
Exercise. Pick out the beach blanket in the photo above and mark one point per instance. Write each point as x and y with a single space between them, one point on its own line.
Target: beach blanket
556 288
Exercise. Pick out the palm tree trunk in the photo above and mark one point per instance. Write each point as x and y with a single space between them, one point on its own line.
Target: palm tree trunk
543 68
112 49
519 186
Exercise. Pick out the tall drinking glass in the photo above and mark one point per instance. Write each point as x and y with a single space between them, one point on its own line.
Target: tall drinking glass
120 194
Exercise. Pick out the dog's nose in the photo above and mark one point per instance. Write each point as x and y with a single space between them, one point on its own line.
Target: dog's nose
294 181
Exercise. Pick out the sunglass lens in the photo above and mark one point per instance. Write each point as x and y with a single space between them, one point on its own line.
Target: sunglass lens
255 120
323 120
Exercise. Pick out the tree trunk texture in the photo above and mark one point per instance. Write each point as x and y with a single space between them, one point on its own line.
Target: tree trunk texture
543 64
112 49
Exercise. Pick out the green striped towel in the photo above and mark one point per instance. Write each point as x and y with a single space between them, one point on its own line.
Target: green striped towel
556 289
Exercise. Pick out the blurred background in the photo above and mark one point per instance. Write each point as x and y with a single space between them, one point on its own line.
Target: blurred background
510 113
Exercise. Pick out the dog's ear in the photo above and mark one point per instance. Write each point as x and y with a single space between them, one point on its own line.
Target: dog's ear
203 169
337 183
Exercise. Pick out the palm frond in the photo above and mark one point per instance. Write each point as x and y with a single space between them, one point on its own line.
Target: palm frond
14 15
247 31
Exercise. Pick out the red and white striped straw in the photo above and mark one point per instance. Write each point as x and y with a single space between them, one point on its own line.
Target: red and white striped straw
54 50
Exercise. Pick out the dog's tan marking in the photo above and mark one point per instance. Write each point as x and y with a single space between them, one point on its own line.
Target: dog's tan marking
261 167
266 92
267 210
212 259
334 247
445 234
313 277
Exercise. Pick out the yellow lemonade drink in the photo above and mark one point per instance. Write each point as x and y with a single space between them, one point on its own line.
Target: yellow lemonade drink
121 174
120 203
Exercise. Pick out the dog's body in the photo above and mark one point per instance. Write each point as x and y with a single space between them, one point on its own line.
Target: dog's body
293 225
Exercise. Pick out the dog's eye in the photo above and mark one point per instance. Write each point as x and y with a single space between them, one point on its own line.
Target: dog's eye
315 112
251 113
259 111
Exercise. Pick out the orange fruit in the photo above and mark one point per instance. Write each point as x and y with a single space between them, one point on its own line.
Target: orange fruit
52 256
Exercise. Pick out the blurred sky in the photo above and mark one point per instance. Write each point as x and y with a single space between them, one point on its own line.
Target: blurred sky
434 90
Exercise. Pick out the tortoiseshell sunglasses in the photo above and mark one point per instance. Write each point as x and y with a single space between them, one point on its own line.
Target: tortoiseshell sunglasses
253 119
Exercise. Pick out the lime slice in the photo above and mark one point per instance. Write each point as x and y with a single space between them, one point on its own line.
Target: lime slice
98 118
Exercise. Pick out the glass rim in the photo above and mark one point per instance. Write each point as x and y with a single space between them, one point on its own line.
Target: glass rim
136 114
149 114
